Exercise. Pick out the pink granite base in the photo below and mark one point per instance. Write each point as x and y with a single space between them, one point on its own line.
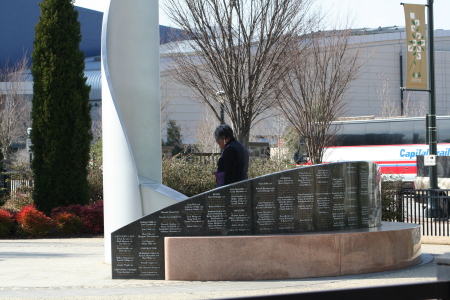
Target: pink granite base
388 247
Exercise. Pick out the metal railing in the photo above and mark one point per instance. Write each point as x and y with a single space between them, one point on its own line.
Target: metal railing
206 158
429 208
14 182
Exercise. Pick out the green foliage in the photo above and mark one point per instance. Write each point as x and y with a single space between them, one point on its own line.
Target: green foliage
18 199
260 166
3 198
391 209
22 195
174 137
97 152
95 172
3 195
189 175
67 223
6 223
61 110
33 222
192 175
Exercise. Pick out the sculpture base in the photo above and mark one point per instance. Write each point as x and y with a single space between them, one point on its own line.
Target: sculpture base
388 247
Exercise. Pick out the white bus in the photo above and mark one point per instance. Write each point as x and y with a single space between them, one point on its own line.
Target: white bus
391 143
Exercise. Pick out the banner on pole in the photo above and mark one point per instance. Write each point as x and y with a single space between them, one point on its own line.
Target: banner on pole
416 56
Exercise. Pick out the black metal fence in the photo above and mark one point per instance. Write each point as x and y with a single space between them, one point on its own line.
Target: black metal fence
429 208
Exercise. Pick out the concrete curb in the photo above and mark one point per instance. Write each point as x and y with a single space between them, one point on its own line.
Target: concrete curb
436 240
75 269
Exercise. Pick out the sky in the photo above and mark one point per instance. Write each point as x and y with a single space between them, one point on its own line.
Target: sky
364 13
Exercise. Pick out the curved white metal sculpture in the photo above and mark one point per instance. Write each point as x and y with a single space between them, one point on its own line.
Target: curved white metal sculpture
131 116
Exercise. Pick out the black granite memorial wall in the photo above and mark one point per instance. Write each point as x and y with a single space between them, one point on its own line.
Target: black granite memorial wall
338 196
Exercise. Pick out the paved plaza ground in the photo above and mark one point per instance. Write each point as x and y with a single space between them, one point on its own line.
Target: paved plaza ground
75 269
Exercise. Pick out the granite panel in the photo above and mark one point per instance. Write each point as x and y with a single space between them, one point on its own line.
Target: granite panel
319 198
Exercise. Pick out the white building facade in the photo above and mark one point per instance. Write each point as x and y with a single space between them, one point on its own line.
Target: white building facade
375 91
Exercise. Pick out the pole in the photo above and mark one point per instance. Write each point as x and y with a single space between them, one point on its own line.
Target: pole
401 84
220 95
432 143
222 117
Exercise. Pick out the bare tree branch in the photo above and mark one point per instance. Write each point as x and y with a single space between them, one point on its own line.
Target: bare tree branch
241 47
15 105
390 107
204 137
312 93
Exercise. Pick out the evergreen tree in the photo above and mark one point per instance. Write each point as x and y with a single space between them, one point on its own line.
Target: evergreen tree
61 111
174 137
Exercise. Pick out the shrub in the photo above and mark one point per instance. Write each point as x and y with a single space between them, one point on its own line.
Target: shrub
262 166
18 199
95 172
67 223
190 175
74 209
6 223
33 222
92 216
22 195
174 137
3 199
95 180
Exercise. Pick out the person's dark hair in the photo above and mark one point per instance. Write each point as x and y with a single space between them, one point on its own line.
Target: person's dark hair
223 130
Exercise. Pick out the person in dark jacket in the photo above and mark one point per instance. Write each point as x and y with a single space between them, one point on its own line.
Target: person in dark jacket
233 163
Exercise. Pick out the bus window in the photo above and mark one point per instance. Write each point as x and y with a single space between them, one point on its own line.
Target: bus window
377 133
443 130
352 134
419 136
336 134
401 132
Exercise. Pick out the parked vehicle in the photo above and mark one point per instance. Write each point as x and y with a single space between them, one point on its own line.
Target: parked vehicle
392 143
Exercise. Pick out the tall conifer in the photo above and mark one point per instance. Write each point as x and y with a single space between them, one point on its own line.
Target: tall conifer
61 111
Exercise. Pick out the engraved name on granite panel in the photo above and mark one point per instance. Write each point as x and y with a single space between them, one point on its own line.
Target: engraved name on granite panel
170 222
364 201
324 217
306 199
144 258
351 195
229 210
123 252
216 216
240 209
264 206
338 195
287 202
193 216
150 245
